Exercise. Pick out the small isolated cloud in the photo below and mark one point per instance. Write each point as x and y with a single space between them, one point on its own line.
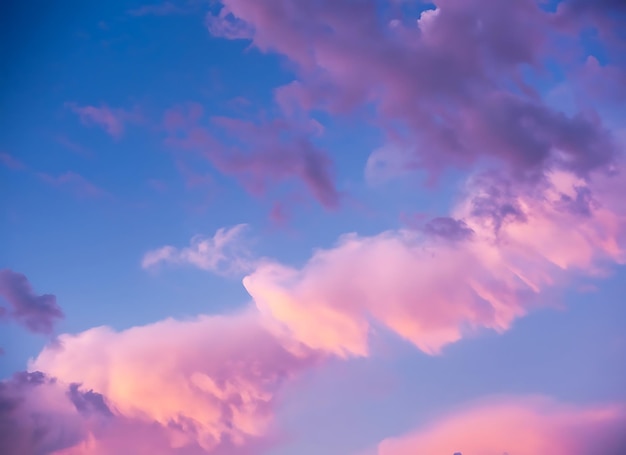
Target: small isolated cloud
76 183
519 426
225 25
38 313
9 161
224 253
74 147
113 121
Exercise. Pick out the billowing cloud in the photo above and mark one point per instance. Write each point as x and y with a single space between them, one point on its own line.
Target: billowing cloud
448 84
38 313
206 384
224 253
484 267
258 154
519 426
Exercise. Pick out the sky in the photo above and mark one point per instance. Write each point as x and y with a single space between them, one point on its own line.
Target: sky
288 227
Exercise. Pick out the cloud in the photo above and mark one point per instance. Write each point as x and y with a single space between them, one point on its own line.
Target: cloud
521 426
485 266
448 228
258 154
36 416
208 384
78 184
11 162
447 86
158 9
111 120
38 313
224 253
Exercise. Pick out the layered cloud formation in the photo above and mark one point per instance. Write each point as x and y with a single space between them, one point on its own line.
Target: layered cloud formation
211 384
462 85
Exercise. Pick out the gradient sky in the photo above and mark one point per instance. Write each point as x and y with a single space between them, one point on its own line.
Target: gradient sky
293 227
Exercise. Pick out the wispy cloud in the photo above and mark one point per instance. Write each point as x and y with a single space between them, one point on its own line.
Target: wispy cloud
76 183
74 147
11 162
224 253
165 8
113 121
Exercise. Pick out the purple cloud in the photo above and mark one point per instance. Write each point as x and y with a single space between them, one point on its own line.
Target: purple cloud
88 402
258 154
75 182
38 313
11 162
35 417
111 120
448 85
448 228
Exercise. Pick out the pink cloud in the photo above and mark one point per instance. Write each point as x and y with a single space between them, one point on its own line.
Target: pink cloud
224 253
519 426
38 313
279 214
483 267
437 81
209 383
111 120
260 154
75 182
